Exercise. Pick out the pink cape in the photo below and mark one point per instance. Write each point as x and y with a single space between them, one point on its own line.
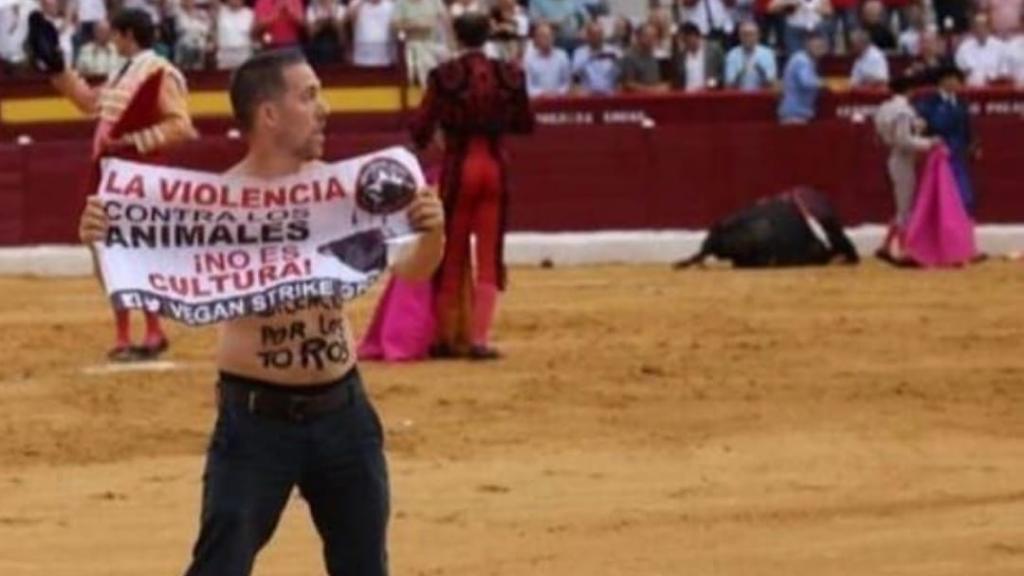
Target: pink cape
403 325
939 233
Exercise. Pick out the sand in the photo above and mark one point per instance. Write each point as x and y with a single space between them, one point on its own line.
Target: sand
645 422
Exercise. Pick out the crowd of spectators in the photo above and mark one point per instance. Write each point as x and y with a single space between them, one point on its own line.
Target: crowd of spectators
566 46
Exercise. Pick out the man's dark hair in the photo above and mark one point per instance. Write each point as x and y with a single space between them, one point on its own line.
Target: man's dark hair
135 23
901 84
258 80
689 29
472 29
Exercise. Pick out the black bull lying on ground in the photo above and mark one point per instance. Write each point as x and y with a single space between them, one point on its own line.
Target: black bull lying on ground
796 228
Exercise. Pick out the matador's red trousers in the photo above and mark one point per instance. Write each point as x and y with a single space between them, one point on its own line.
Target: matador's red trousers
476 215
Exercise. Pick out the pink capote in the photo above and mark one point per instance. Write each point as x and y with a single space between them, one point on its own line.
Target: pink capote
939 233
404 324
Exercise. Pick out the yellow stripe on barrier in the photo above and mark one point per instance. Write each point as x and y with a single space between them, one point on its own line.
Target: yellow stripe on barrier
208 104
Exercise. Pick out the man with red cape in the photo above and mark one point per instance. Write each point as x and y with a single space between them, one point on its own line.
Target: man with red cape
141 109
473 101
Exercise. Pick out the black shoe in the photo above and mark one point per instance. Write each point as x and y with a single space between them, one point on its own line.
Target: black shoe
483 353
124 354
154 350
442 352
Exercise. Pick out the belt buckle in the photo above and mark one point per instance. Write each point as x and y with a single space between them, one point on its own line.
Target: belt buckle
297 408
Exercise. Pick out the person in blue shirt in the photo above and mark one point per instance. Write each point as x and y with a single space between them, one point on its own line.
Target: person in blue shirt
750 66
801 82
946 116
595 65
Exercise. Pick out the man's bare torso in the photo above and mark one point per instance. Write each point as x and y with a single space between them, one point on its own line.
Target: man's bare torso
304 342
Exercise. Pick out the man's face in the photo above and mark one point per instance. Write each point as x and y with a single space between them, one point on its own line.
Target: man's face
859 42
817 47
950 83
297 118
544 39
931 45
595 36
691 42
646 38
874 12
980 27
749 36
123 43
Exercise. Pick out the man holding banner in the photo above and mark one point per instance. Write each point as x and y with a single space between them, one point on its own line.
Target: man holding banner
273 249
142 110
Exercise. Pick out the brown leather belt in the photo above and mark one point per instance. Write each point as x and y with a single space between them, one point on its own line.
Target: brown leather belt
278 402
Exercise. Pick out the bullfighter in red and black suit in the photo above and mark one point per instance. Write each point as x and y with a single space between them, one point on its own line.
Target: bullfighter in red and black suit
474 101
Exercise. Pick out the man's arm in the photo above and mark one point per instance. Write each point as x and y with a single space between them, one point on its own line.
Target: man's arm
175 126
426 215
73 87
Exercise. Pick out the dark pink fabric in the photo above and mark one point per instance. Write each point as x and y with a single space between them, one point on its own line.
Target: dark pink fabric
940 233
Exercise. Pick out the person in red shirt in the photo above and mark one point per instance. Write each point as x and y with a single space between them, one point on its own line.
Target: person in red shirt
279 22
473 101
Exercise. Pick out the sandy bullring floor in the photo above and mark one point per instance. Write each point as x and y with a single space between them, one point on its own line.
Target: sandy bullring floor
812 422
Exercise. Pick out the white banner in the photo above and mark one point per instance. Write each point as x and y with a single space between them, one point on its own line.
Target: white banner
202 248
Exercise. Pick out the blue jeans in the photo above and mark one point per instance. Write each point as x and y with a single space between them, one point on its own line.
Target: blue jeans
336 460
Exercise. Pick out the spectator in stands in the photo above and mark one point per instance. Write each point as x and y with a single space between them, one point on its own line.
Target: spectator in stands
981 56
664 31
194 29
510 26
621 35
932 54
13 32
875 21
595 65
234 41
804 18
870 69
99 57
564 17
951 15
53 12
909 41
373 45
279 23
1005 16
698 64
87 13
711 17
845 19
548 72
1015 60
640 69
325 31
750 66
426 29
801 82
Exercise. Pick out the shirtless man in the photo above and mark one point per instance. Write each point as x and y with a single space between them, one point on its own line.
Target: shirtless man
306 422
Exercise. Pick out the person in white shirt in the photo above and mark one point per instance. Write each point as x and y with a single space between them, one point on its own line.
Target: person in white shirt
982 56
372 44
325 25
65 28
13 33
194 28
870 69
547 68
1015 59
804 18
87 13
909 41
100 57
510 27
234 43
710 16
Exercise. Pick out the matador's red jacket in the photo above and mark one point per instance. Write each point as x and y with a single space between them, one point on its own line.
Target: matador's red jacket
466 98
